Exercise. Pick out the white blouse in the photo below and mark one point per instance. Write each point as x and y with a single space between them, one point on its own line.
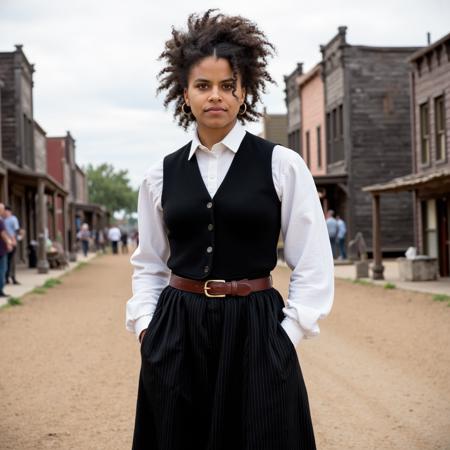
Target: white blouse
307 249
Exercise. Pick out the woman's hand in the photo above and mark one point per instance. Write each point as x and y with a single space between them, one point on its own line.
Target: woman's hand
141 336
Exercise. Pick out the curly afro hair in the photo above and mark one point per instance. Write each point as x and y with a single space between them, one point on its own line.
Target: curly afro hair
233 38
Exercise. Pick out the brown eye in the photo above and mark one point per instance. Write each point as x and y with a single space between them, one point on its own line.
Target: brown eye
202 86
228 86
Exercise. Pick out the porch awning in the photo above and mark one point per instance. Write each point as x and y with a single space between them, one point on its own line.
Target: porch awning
30 178
324 180
436 179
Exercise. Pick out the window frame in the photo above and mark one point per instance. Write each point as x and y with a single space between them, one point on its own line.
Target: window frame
425 137
440 136
319 146
308 148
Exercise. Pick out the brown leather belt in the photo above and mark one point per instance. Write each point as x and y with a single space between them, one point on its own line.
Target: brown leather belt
221 288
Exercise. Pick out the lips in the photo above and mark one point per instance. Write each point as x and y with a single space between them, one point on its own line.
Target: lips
215 109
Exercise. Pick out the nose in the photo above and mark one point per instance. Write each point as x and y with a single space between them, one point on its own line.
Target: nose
215 96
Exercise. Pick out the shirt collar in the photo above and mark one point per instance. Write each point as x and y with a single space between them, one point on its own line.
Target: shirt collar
231 141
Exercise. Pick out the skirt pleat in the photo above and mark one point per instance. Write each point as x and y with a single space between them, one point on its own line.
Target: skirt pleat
220 374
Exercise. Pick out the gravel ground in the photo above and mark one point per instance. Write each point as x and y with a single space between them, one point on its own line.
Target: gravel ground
378 376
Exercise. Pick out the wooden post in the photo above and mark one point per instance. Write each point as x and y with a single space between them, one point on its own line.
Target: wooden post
54 216
65 214
378 268
42 264
73 234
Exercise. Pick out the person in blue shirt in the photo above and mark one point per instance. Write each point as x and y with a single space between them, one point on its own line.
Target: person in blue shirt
332 230
12 228
341 232
5 247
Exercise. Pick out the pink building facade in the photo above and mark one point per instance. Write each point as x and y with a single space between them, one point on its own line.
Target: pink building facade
312 104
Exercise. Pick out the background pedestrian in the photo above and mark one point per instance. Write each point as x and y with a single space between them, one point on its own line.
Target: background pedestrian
332 230
342 232
124 240
12 228
84 235
5 247
114 237
101 240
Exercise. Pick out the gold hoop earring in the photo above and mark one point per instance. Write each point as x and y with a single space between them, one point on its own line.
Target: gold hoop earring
186 113
241 113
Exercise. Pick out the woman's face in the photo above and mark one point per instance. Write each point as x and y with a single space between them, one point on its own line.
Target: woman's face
210 93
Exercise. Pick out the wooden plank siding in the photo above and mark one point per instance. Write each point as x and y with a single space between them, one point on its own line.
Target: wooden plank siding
17 108
371 85
433 80
430 78
380 139
8 112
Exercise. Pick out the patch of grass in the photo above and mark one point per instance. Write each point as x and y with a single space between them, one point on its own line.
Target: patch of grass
362 282
39 290
441 298
80 265
51 282
389 286
14 301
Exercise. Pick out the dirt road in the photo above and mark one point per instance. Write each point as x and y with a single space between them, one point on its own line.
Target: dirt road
378 377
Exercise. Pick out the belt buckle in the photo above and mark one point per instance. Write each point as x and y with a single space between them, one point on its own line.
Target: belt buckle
206 287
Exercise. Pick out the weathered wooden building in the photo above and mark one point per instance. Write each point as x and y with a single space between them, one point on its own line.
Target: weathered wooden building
26 186
275 128
429 180
61 164
293 106
45 201
368 138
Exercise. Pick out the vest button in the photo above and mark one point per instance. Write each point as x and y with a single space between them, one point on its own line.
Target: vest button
210 227
209 205
206 269
209 249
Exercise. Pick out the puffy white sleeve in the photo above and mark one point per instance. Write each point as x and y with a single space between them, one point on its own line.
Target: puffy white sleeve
151 274
307 249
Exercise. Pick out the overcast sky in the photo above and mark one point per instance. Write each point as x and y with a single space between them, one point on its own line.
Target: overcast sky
96 61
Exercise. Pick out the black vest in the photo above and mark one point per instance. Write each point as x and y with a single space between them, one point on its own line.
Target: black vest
233 235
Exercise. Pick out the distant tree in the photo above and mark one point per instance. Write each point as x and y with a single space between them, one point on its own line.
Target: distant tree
111 188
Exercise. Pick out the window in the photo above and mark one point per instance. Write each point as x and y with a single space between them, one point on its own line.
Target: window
28 154
335 124
298 146
328 130
429 221
294 141
424 134
319 147
308 150
439 120
335 134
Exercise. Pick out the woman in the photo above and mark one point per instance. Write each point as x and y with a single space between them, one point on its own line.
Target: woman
219 364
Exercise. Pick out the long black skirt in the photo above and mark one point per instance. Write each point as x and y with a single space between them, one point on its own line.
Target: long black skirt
220 374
